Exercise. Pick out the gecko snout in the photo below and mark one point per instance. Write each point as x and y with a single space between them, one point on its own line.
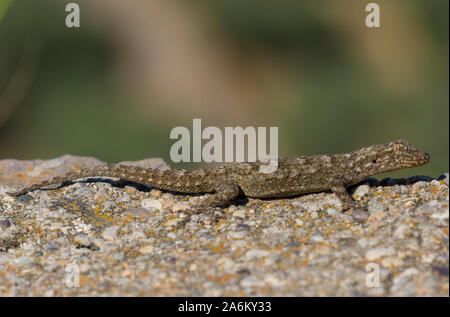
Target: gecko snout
424 158
417 158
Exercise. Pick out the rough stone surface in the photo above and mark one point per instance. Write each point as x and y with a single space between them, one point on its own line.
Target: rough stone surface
276 247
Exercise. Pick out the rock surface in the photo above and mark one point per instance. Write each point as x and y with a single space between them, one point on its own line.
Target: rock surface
110 239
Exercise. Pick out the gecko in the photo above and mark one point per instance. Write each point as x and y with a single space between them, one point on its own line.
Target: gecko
293 176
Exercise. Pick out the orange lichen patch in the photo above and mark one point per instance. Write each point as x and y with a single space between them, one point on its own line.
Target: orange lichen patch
76 167
357 230
434 190
222 279
171 216
221 223
72 206
44 173
132 254
84 280
39 230
21 175
99 212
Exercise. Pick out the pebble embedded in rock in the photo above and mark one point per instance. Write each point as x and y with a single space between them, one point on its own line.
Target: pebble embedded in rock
82 240
402 231
299 222
317 237
391 261
240 213
23 260
180 207
5 224
150 203
375 206
237 234
251 281
419 185
137 213
377 253
255 254
24 198
146 249
110 233
363 242
362 191
360 214
333 212
443 214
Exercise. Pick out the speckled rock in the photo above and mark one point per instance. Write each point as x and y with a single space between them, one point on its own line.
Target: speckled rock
102 239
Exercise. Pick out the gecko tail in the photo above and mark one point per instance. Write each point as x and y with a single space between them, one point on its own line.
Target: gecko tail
97 171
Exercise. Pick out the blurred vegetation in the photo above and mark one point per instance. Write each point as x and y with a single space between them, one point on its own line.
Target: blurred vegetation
342 95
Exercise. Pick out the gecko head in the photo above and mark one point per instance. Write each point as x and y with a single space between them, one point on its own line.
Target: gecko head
392 156
405 155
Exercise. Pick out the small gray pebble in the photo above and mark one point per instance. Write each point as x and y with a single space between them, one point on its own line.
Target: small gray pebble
110 233
332 211
23 260
103 285
52 246
440 270
119 256
82 240
317 237
83 192
375 206
360 214
244 271
294 244
5 224
242 226
138 212
24 198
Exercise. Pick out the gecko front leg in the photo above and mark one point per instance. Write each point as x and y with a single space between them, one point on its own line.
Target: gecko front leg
341 193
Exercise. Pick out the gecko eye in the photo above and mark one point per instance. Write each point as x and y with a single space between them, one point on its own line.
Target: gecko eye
374 161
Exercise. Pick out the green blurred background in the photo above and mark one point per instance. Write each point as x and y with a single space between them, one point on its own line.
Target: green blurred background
116 86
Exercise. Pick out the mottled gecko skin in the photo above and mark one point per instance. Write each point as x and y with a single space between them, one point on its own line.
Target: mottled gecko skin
294 176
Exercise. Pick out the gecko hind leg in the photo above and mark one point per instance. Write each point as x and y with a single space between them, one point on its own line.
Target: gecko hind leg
341 193
224 193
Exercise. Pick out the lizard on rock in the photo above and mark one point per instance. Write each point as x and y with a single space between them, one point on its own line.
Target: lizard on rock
294 176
